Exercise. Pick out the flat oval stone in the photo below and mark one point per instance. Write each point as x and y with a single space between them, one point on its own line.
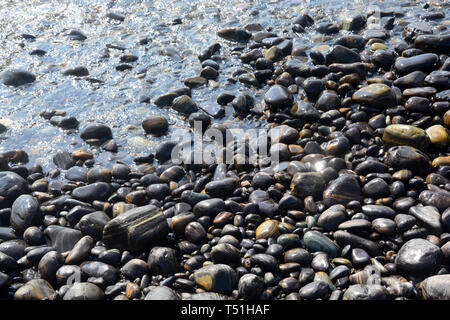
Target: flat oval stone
12 185
332 217
315 241
365 292
216 278
138 228
61 238
342 190
25 213
36 289
278 97
436 287
308 184
16 77
162 293
405 157
91 192
96 131
418 256
84 291
403 134
429 217
438 136
422 62
375 95
268 229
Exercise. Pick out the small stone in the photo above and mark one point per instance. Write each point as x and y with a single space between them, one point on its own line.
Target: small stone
418 256
84 291
216 278
375 95
156 125
36 289
438 136
403 134
16 77
315 241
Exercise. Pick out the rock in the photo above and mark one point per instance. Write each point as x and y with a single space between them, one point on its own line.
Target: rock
7 263
225 253
404 157
341 54
12 185
217 278
95 191
76 71
305 111
162 293
36 289
138 228
92 224
438 136
332 217
436 287
365 292
156 125
344 238
343 190
422 62
308 184
419 257
49 264
163 261
63 160
376 188
16 77
268 229
234 34
209 207
65 123
80 251
439 43
96 131
250 286
429 217
184 104
314 290
135 268
25 213
61 238
278 97
439 199
384 226
403 134
84 291
411 80
375 95
315 241
242 103
194 82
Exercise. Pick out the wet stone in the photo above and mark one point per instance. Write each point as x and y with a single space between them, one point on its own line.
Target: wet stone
429 217
316 241
418 256
36 289
135 229
25 213
278 97
436 287
403 134
12 185
375 95
156 125
184 104
342 190
216 278
84 291
422 62
16 77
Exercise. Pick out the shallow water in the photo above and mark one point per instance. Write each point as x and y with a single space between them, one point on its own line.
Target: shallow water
169 57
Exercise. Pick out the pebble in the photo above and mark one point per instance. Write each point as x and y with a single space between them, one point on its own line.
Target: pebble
16 78
135 229
36 289
217 278
418 256
84 291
